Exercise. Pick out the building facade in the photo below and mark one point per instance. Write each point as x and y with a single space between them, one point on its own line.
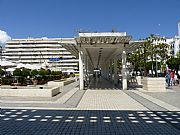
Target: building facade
176 46
39 51
174 42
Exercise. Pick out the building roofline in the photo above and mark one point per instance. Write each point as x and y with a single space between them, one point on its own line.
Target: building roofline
42 40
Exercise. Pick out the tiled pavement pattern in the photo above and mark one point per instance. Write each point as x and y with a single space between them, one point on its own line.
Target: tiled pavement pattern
172 96
108 100
161 103
120 112
102 122
101 84
150 105
74 100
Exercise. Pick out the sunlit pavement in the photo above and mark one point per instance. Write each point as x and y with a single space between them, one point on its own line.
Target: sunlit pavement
103 109
172 96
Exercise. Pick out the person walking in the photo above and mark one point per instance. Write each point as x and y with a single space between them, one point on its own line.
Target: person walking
168 78
178 76
172 78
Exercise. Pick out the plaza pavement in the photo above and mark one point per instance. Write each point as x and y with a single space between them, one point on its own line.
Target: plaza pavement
101 109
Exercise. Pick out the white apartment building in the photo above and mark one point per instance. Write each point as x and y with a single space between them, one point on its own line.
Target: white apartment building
38 51
175 46
174 42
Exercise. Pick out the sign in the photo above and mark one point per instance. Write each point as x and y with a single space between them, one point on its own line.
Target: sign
54 59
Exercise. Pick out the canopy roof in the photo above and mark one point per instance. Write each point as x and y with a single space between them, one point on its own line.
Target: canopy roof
10 69
103 40
4 63
100 47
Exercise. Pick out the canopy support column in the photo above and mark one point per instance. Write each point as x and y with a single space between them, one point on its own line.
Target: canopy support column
110 64
86 66
124 72
81 71
106 66
115 71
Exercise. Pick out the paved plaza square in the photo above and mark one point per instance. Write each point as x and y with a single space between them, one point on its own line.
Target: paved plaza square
101 110
97 67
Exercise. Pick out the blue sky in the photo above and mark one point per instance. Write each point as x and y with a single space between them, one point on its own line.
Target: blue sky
62 18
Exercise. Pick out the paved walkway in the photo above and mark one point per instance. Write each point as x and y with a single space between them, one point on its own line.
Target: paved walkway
102 95
101 84
172 96
102 109
108 100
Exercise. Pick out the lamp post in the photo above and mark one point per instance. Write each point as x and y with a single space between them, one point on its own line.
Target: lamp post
1 52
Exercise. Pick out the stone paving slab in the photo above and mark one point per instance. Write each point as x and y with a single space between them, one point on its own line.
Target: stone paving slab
35 105
88 122
171 96
145 102
66 96
158 102
108 100
75 98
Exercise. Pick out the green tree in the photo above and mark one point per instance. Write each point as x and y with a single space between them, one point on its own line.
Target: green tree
173 63
34 72
2 72
136 59
151 49
43 72
178 54
25 72
17 72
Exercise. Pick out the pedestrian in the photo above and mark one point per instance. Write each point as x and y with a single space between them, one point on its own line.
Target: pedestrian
172 78
175 79
168 78
178 78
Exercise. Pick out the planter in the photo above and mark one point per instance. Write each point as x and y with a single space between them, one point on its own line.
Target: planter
29 92
59 83
154 84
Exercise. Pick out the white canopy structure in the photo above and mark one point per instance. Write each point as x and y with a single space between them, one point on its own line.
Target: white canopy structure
10 69
28 66
6 63
20 65
32 67
45 65
101 51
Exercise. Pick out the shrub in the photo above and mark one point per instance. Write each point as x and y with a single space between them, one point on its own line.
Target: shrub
2 72
56 75
22 80
43 72
17 72
66 75
7 81
25 72
34 72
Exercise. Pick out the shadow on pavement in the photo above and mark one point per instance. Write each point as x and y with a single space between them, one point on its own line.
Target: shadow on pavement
22 121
